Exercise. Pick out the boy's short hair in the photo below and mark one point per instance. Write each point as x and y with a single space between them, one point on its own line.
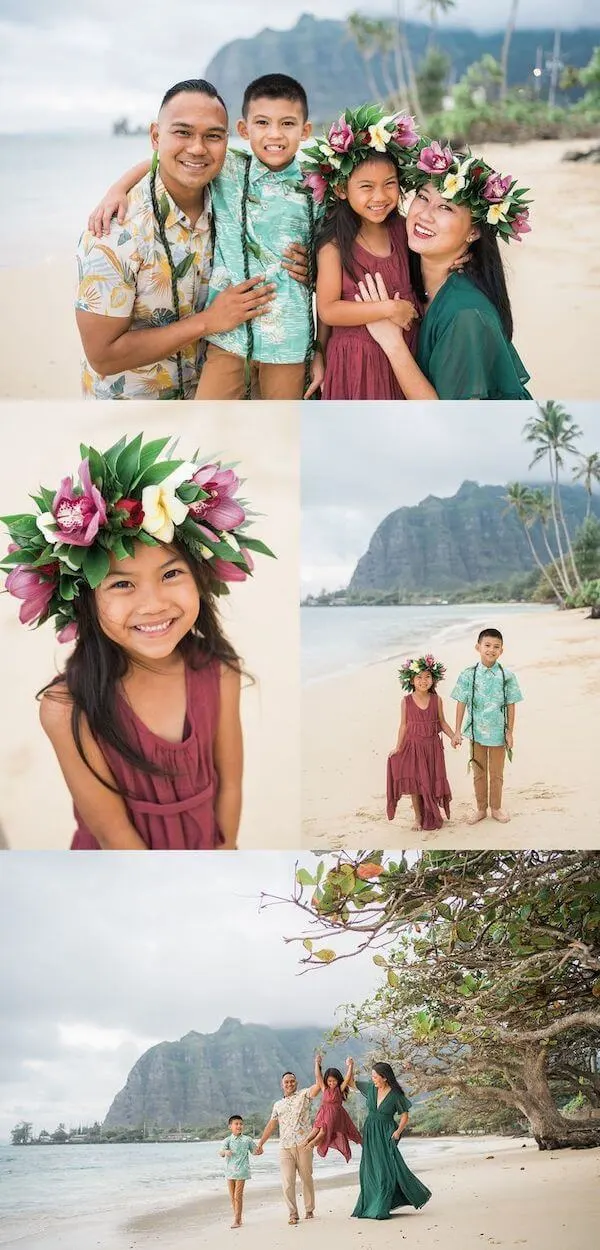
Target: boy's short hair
275 87
235 1117
490 633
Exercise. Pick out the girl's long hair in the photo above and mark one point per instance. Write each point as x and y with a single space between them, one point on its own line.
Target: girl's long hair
97 665
339 1078
341 224
388 1074
485 270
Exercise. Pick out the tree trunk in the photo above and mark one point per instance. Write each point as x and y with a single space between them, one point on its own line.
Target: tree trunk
552 1131
543 569
555 518
508 34
405 53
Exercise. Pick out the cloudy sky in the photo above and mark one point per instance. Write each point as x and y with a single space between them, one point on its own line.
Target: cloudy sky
75 66
361 461
100 964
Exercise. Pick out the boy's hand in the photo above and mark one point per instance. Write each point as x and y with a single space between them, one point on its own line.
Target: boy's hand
237 304
510 739
296 263
259 1149
113 203
317 373
456 740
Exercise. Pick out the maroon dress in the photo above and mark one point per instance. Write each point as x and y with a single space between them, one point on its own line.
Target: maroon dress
419 767
170 812
339 1128
356 366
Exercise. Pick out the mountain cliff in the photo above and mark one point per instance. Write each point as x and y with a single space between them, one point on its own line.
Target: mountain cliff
202 1079
443 544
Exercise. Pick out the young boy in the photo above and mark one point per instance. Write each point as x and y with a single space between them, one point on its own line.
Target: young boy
490 693
261 215
235 1149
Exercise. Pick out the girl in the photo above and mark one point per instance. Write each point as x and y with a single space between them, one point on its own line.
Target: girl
385 1180
358 180
416 766
333 1129
145 718
460 208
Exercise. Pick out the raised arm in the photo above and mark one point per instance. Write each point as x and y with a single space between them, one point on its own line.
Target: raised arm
229 759
348 1080
319 1082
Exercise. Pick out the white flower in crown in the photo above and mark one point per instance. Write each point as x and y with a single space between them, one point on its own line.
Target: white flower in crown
331 157
162 509
452 184
379 137
498 212
415 667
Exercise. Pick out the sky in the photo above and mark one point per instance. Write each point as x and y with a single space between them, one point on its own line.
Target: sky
77 65
103 963
362 461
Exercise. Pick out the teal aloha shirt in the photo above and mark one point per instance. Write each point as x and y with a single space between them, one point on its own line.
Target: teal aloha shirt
237 1166
277 215
485 712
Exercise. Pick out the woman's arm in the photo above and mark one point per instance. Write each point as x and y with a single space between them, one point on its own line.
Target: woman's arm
229 758
335 311
114 201
401 727
104 812
401 1126
349 1077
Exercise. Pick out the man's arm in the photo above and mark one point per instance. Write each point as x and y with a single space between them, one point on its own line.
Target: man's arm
267 1132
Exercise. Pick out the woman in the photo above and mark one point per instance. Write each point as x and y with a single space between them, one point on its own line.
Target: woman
465 348
385 1180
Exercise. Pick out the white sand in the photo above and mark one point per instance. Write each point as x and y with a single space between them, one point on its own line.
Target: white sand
350 725
41 444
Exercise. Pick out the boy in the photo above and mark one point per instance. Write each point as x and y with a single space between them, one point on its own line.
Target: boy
235 1149
490 693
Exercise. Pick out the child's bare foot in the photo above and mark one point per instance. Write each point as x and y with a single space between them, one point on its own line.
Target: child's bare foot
479 814
310 1215
237 1224
500 815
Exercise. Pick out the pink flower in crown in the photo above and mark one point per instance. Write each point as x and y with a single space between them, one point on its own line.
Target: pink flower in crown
225 571
220 510
430 659
496 188
405 134
68 633
318 185
435 159
76 516
520 224
341 136
35 587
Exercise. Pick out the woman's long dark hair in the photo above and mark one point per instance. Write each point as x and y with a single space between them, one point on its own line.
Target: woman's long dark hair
341 224
339 1078
388 1074
485 270
97 665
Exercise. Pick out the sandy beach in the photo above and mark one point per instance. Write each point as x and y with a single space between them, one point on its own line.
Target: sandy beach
350 724
506 1194
553 277
41 445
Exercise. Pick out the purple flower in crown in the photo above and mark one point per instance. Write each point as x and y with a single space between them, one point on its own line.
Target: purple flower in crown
76 516
436 159
226 571
35 587
520 224
220 510
318 185
341 136
68 633
404 133
496 187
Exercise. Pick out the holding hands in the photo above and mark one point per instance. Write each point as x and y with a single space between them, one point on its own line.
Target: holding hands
456 740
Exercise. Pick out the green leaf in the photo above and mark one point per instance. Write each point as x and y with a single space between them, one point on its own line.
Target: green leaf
303 877
254 544
183 266
325 956
97 465
96 565
127 465
444 911
150 452
147 539
380 960
156 473
164 206
66 588
307 944
112 455
393 979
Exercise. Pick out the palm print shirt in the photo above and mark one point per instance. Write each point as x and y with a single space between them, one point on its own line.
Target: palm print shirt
293 1115
485 713
127 274
277 215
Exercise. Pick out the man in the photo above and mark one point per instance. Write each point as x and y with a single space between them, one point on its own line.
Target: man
142 290
292 1114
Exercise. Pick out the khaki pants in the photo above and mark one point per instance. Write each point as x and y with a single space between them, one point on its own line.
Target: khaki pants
236 1194
223 377
489 776
293 1161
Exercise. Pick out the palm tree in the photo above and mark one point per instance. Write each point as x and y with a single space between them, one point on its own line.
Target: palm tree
588 473
435 7
404 59
383 36
360 29
553 434
508 34
521 499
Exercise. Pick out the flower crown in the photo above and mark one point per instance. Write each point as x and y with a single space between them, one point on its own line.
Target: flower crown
352 139
424 664
127 494
466 179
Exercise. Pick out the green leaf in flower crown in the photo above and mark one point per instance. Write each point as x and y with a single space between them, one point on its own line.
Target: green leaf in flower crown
119 550
46 556
97 465
129 546
96 565
66 588
254 544
151 451
143 537
112 455
346 166
127 466
188 492
156 473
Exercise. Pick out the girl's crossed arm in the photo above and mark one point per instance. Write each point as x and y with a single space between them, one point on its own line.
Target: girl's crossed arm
103 811
229 759
335 311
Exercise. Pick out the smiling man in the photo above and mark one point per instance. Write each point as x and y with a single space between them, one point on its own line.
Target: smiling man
143 288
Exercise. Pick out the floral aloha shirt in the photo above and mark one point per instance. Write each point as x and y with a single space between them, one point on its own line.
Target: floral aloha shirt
127 274
293 1115
485 712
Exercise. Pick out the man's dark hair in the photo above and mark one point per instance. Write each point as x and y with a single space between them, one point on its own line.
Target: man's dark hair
235 1117
275 87
490 633
289 1074
198 85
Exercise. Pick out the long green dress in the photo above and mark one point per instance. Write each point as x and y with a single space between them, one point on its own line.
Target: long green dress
463 350
386 1182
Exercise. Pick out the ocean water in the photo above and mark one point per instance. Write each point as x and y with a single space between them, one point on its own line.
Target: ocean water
337 640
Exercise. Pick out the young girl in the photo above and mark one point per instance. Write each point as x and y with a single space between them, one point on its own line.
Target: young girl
145 718
416 766
362 232
333 1129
